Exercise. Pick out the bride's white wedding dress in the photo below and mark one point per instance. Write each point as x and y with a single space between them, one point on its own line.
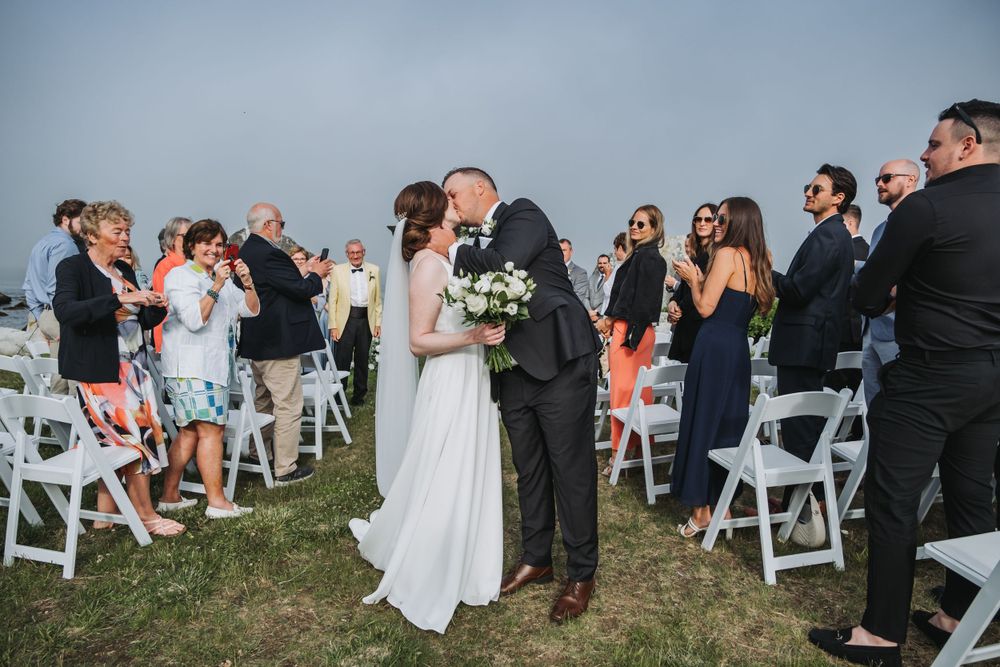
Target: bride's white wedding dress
438 536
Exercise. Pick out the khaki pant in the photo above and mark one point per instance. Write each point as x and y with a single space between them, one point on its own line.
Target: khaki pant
49 326
279 393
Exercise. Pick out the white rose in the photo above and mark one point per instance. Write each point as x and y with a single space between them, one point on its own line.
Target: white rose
465 282
510 308
483 286
509 266
517 288
521 273
455 290
498 287
476 304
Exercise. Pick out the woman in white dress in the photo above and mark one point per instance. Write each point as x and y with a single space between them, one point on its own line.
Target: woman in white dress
438 536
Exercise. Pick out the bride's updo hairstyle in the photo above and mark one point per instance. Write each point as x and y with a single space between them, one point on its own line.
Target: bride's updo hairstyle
423 205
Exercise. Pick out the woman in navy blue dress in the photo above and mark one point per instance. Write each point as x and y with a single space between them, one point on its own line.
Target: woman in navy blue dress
717 382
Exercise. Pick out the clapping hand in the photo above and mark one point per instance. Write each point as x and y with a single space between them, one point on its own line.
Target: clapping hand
688 271
143 297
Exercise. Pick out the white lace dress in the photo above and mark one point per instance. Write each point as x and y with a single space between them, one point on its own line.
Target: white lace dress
438 536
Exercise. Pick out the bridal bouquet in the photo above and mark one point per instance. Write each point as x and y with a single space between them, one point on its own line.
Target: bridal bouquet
495 297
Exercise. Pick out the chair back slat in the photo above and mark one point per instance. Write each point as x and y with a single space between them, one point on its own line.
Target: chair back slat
804 404
849 360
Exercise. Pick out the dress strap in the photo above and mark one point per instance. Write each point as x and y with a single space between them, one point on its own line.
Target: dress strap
744 263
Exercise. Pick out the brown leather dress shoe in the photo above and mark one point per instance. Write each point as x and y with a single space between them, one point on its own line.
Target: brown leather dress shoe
574 600
522 575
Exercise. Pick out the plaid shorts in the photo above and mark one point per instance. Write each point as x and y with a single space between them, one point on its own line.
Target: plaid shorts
198 400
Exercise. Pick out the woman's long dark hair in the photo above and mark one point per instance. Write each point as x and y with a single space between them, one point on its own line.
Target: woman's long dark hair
745 229
693 239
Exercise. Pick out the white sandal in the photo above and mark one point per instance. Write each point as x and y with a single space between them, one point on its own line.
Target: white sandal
682 528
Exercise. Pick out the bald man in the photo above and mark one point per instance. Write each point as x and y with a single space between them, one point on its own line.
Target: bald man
896 179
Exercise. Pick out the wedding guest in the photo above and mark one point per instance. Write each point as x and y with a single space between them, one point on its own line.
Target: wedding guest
633 309
598 280
896 179
355 314
173 240
132 260
940 400
577 274
618 244
681 311
273 341
301 256
805 335
102 314
717 381
199 344
40 279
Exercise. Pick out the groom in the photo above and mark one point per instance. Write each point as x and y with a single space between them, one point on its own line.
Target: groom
547 399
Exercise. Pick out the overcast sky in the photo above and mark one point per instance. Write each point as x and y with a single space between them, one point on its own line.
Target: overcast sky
327 109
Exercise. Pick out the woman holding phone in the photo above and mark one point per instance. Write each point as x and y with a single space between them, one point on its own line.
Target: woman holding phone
199 343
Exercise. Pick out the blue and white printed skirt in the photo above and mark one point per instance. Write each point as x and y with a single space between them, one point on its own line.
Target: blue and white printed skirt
198 400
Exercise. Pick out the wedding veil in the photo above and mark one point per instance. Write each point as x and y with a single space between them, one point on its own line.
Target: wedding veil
396 389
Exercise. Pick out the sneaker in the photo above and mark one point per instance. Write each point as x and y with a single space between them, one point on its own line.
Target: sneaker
218 513
300 474
183 503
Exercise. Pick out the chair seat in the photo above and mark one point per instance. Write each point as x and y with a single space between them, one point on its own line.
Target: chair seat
848 451
63 464
660 418
312 392
232 421
974 557
780 466
603 395
311 375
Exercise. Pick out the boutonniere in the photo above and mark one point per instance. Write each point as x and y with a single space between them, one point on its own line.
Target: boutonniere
371 276
486 229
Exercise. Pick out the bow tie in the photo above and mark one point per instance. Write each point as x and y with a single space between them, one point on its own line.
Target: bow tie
357 270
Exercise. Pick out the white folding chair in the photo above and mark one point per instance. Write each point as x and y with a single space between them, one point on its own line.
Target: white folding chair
37 375
319 390
648 421
339 376
82 465
7 477
976 558
243 430
759 349
159 384
764 466
601 411
38 348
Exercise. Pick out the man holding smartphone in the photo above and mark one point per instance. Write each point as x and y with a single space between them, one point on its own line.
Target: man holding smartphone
355 314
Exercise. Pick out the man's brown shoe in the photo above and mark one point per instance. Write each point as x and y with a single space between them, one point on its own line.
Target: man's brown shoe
522 575
574 600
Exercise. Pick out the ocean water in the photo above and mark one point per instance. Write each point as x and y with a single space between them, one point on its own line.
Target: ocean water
16 318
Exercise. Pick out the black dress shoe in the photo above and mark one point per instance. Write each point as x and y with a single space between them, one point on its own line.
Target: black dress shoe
835 643
300 474
922 619
937 593
358 400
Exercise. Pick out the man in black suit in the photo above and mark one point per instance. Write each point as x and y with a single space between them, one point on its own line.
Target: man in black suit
547 399
806 332
285 328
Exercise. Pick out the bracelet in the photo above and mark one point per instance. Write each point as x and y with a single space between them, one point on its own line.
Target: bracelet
249 287
215 295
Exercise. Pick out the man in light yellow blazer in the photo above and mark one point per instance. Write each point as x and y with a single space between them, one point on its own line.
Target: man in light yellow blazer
355 314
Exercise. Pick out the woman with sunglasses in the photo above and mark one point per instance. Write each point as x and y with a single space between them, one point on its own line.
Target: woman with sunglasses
633 309
681 311
717 382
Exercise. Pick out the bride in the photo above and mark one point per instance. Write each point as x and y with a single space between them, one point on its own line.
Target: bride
438 536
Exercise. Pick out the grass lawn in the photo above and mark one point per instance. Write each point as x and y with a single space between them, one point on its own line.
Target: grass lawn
284 586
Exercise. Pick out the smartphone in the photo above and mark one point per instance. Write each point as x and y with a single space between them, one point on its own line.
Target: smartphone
323 253
231 255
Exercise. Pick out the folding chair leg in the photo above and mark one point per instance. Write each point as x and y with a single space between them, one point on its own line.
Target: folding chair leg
25 505
234 467
725 500
340 423
960 648
647 465
928 497
795 505
73 518
616 467
764 527
343 401
833 520
257 441
128 511
13 516
852 485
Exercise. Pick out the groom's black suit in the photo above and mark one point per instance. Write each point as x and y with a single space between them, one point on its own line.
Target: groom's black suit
547 400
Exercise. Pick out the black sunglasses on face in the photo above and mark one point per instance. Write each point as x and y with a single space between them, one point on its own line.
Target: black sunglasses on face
638 224
885 178
720 220
967 119
696 220
816 189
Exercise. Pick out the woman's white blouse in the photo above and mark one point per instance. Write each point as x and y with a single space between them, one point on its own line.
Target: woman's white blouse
193 348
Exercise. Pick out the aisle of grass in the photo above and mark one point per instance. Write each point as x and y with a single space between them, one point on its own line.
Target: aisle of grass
284 586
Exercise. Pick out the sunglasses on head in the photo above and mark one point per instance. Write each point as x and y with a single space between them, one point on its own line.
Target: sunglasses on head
707 220
638 224
885 178
967 119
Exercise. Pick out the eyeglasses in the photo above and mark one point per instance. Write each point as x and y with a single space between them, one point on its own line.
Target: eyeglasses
707 220
720 220
967 119
280 222
816 189
885 178
638 224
